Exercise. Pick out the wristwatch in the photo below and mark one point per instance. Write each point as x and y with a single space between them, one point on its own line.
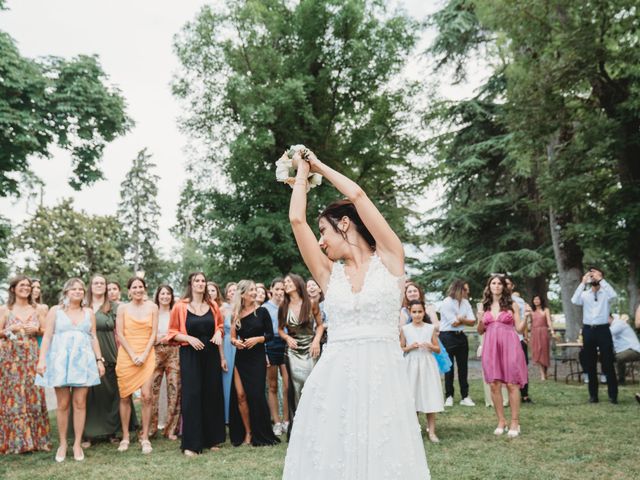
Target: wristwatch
100 359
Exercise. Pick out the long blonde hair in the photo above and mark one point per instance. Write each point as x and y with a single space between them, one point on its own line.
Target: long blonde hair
68 286
242 287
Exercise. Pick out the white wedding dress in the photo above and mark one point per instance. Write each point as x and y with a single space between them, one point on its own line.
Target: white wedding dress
356 418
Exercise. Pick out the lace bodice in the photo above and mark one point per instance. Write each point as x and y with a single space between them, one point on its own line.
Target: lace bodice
371 313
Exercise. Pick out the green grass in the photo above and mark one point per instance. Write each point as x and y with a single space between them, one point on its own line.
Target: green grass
563 437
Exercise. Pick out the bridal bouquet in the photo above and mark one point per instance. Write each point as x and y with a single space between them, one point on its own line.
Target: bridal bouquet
285 169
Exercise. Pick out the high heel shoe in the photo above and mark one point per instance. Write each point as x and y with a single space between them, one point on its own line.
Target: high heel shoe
499 431
513 433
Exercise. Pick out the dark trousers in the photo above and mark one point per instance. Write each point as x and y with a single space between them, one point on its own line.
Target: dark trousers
596 339
524 391
457 347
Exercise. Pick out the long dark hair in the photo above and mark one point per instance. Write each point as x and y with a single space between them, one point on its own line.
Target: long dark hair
37 300
219 298
506 303
345 208
543 302
188 293
167 287
12 290
427 317
305 308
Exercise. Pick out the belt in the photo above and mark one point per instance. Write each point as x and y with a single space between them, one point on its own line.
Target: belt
600 325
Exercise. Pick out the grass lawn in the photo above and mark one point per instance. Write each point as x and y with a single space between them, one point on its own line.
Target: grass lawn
563 437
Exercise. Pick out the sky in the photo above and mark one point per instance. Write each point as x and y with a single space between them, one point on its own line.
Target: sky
133 40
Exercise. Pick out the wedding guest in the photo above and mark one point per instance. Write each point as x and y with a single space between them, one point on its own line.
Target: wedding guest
36 294
419 340
275 362
455 313
541 328
103 401
523 336
261 294
24 422
412 291
595 294
229 349
136 327
197 324
502 356
249 419
70 361
215 294
625 345
316 295
300 326
114 292
166 376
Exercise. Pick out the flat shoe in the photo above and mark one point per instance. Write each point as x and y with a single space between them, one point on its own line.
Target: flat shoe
78 458
123 446
60 458
146 446
433 438
513 433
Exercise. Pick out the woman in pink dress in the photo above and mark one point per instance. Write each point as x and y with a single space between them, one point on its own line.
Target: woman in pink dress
503 359
541 325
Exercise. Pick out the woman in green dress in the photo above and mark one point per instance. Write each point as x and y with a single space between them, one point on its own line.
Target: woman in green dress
103 414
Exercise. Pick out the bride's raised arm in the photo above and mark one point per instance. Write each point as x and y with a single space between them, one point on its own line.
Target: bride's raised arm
317 262
388 245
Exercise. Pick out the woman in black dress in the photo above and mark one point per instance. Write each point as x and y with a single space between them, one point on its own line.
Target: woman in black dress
196 323
249 417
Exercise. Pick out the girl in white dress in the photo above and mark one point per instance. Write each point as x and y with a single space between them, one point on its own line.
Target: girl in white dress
356 418
418 340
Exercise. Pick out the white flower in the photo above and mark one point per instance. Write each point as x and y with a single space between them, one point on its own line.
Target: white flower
285 171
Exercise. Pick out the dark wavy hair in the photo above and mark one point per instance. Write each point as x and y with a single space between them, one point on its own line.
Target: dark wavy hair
12 290
543 302
506 303
133 279
156 297
305 309
427 317
345 208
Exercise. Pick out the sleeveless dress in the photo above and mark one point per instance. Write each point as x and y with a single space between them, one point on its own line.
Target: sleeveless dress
71 361
356 418
422 370
230 356
103 401
299 361
130 376
540 338
24 422
502 355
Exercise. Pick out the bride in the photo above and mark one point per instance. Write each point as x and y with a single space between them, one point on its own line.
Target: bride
356 417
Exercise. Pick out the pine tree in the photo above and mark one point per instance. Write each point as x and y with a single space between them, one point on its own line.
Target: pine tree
138 211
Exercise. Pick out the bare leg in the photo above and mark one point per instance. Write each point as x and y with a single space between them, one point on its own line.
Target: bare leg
514 402
125 416
285 392
544 372
496 398
63 396
431 423
147 404
243 406
272 383
79 395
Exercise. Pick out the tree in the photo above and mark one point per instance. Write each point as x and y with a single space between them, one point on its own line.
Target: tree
571 112
60 243
5 233
259 76
53 101
138 212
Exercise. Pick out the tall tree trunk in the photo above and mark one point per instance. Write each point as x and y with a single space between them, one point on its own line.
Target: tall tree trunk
568 255
632 286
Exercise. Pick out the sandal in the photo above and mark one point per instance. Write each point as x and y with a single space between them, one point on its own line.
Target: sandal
78 457
146 446
189 453
123 446
60 457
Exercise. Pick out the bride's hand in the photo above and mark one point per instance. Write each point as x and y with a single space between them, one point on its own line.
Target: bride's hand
300 164
314 163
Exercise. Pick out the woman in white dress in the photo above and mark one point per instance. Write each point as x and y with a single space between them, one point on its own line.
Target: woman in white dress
419 340
356 417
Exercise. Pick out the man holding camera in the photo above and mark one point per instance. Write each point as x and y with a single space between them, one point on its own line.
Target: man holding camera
594 294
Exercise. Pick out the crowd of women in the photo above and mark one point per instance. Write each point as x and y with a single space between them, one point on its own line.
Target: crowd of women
216 361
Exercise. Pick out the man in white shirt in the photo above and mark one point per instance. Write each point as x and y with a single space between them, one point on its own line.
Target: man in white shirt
594 295
455 313
625 344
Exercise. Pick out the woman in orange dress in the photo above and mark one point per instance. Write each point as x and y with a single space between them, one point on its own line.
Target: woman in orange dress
136 326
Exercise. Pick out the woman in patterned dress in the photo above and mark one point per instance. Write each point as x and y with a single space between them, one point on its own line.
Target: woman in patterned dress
24 423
